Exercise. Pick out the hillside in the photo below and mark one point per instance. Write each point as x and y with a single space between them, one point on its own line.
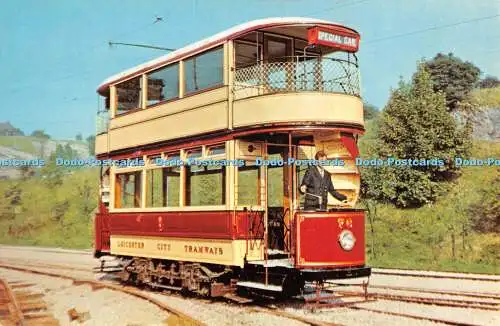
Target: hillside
29 148
36 147
439 236
487 120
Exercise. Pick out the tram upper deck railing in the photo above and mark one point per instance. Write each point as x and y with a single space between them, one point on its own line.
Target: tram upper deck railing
297 74
102 122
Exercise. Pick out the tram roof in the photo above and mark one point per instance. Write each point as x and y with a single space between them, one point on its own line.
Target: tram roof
219 38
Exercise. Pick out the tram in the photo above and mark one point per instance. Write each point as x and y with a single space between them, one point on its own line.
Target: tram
218 127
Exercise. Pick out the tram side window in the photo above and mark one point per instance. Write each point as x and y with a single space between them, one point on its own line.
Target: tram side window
204 70
128 95
205 185
128 190
163 84
163 187
248 185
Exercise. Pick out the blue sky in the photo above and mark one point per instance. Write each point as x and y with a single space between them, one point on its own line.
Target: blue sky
54 53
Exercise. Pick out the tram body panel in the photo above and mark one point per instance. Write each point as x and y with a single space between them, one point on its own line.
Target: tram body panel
298 107
318 239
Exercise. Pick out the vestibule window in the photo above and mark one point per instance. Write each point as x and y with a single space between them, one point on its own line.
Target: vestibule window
163 84
128 190
204 70
129 94
249 184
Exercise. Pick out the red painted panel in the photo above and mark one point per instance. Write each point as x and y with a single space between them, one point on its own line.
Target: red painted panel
334 37
201 224
317 239
101 232
350 143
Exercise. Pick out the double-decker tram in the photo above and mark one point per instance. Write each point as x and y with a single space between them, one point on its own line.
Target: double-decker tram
216 138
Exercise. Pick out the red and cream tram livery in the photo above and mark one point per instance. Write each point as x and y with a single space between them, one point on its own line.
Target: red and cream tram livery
208 146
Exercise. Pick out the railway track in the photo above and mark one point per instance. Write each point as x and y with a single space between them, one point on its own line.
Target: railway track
487 302
176 317
21 307
475 303
179 317
452 303
443 292
439 276
416 317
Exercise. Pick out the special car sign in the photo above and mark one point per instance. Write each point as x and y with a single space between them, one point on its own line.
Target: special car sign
342 39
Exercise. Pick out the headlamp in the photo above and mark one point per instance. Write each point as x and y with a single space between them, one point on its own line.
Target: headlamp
347 240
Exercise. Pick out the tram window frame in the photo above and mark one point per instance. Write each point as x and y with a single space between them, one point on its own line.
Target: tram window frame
203 171
194 171
170 179
191 86
119 88
168 86
151 159
121 191
250 167
210 148
258 60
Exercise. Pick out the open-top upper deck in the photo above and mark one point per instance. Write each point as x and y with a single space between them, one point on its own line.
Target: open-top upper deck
268 72
290 26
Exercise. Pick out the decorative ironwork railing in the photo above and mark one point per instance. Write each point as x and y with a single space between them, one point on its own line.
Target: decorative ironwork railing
297 74
102 122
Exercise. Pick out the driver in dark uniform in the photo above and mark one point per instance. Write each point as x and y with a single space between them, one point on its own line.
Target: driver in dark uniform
316 185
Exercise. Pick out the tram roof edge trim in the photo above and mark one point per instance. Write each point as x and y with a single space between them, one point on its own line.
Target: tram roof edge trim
211 41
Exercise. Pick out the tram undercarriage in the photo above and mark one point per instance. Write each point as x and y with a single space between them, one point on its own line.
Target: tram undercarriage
277 277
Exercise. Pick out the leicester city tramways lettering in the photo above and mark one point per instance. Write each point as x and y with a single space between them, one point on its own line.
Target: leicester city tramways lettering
203 250
130 244
163 246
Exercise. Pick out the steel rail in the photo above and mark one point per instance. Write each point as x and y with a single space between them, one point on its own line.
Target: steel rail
435 320
183 318
453 277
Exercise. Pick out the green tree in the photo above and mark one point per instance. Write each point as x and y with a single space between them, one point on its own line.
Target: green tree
51 173
370 111
91 144
489 82
79 137
415 125
454 77
40 134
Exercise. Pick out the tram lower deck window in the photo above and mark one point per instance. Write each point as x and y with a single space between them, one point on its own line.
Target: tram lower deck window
162 187
205 185
128 190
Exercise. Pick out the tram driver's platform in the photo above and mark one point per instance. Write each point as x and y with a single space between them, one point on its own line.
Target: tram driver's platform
311 274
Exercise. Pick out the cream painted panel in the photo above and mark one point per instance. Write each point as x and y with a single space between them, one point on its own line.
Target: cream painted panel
101 144
190 102
186 123
294 107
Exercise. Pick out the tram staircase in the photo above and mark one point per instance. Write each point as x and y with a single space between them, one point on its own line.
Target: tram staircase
264 278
